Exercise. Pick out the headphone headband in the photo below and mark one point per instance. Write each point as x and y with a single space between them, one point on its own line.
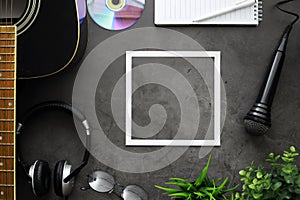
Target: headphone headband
50 105
57 105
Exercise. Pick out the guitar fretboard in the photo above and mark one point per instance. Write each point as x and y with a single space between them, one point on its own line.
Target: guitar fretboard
7 111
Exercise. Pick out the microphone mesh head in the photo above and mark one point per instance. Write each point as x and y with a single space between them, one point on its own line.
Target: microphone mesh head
255 128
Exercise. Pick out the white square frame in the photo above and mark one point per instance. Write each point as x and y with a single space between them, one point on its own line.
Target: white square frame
216 55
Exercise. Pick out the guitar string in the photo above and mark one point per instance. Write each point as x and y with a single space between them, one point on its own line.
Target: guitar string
12 43
6 43
13 49
6 59
14 66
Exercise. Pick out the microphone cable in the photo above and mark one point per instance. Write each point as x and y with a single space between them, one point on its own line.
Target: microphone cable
296 15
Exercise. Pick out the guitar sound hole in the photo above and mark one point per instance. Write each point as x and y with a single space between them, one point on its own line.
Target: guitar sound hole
11 9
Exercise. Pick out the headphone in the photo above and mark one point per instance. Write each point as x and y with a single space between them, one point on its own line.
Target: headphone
39 174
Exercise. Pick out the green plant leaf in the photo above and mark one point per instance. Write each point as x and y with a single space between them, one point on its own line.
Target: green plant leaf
259 175
287 160
180 195
289 179
230 189
199 194
277 158
276 186
203 174
179 184
168 190
294 155
292 149
242 172
223 184
180 179
208 194
257 195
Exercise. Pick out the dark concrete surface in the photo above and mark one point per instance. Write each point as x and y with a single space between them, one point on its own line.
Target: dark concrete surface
246 53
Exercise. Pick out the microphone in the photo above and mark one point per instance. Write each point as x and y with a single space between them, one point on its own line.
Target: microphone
258 119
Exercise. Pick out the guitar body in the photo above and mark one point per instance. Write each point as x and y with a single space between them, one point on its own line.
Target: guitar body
51 41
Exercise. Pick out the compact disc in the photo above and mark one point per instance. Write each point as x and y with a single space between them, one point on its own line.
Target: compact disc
115 14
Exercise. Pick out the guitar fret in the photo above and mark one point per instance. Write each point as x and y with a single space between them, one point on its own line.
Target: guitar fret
7 61
7 120
7 144
7 132
7 42
9 67
5 157
7 185
7 79
7 70
6 108
6 88
6 170
8 64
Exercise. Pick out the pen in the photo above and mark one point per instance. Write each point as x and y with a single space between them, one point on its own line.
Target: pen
237 6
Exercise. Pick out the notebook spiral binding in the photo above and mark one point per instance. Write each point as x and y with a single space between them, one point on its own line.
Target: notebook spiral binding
260 10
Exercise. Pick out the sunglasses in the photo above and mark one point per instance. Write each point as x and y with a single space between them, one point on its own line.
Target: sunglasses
103 182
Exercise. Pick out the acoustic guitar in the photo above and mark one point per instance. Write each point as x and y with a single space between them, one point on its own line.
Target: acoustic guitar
38 38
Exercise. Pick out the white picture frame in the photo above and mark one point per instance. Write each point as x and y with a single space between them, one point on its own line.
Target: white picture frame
216 56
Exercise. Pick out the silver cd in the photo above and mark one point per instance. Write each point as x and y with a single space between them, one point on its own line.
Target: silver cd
115 14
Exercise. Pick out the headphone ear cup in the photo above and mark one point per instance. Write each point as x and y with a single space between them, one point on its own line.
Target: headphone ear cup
62 170
41 177
58 176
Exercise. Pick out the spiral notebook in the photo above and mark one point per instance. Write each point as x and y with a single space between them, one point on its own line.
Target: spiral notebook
184 12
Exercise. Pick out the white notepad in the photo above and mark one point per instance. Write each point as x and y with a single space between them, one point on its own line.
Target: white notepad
184 12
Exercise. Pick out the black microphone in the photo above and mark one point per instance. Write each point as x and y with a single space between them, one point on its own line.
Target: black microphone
258 119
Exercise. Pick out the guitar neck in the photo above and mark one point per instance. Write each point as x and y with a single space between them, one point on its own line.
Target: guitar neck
7 111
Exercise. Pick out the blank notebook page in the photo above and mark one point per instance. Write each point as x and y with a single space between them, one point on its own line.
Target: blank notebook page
183 12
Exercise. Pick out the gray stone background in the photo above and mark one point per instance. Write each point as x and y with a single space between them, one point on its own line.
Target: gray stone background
246 53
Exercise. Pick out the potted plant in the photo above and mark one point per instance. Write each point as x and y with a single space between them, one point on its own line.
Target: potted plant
281 182
202 188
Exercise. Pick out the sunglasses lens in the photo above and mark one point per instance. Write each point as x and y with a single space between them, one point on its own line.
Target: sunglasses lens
134 192
101 181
